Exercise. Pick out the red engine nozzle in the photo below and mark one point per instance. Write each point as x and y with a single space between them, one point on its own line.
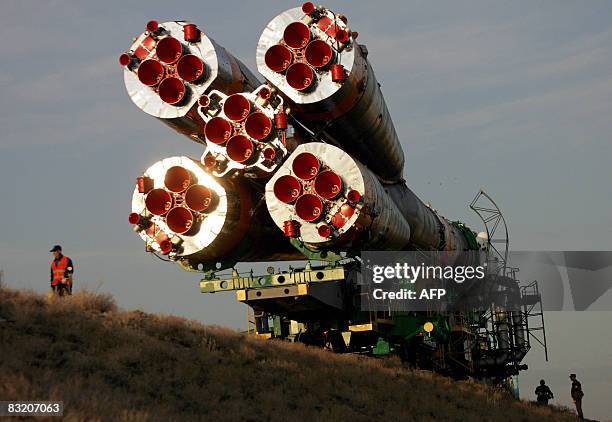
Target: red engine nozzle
198 198
237 107
296 35
169 50
172 90
158 201
324 230
166 246
306 166
218 130
300 76
239 148
269 153
318 53
265 93
258 126
308 7
287 189
190 67
134 218
204 100
278 58
328 184
309 207
342 36
353 196
177 179
150 72
125 59
179 220
152 26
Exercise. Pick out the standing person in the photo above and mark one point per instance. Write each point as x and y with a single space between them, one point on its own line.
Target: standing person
61 272
577 395
543 393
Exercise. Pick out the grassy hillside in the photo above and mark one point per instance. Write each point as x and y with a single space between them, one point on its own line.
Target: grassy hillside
107 364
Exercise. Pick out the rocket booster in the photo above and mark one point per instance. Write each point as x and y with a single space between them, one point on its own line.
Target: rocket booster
312 57
182 211
171 65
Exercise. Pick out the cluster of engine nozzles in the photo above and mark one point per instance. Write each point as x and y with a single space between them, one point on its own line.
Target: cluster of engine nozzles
180 202
311 192
298 53
242 128
318 192
170 67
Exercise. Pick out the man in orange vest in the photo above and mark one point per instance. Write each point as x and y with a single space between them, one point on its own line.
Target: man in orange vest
61 272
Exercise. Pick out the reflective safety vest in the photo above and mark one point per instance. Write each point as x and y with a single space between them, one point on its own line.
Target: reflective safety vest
59 269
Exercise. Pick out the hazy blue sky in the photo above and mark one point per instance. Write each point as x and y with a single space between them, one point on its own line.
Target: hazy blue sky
513 96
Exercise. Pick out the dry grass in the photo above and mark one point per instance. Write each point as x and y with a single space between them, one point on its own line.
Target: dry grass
106 364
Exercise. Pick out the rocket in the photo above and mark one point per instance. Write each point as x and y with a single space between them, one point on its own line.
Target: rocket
309 157
302 163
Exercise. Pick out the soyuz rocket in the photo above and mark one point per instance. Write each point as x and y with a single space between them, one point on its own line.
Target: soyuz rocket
304 164
310 156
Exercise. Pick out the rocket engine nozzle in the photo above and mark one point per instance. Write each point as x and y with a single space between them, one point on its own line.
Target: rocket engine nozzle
166 246
237 107
190 68
300 76
169 50
318 53
152 26
258 126
177 179
158 201
151 72
134 218
179 220
306 166
125 59
278 58
309 207
353 196
218 130
296 35
308 7
172 90
240 148
328 184
198 198
287 189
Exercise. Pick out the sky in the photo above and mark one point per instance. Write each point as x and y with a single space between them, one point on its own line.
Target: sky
514 97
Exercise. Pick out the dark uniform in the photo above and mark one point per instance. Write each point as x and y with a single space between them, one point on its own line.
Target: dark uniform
543 393
577 395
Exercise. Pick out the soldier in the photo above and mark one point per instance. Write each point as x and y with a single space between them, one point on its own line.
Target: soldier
577 395
543 393
61 272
